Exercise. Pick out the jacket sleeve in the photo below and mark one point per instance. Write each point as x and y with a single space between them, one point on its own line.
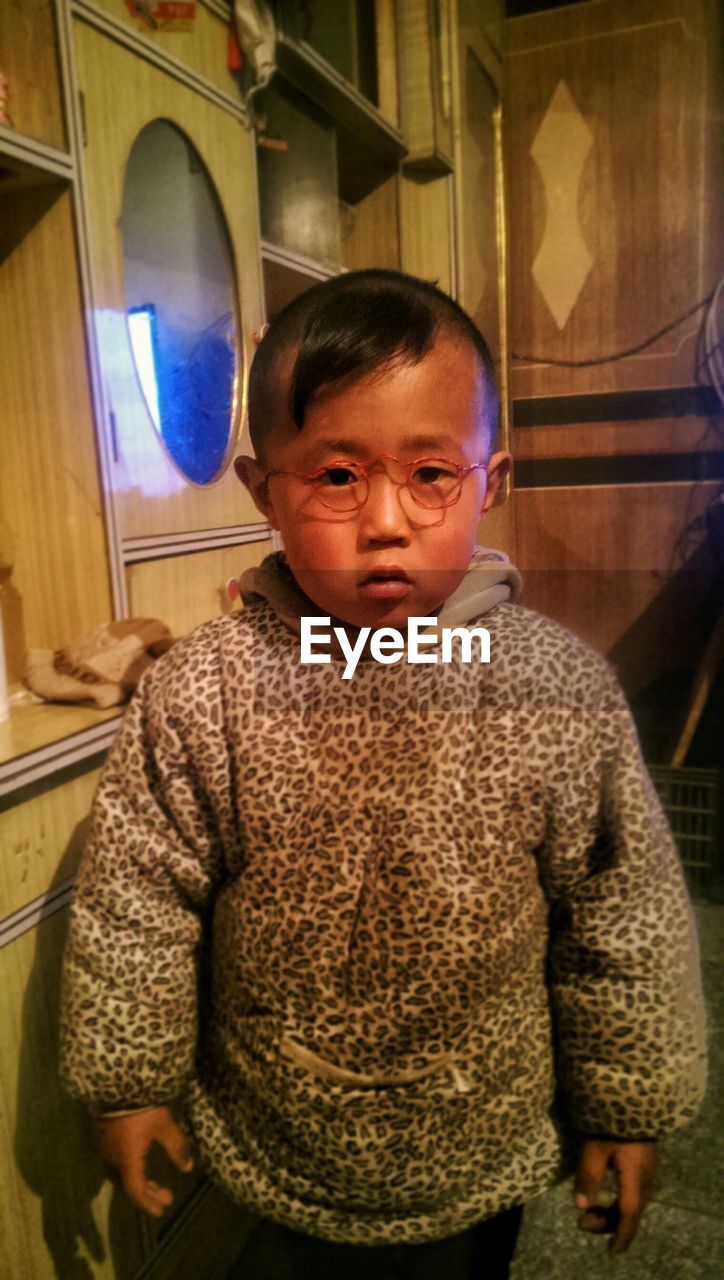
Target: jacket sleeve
156 851
624 970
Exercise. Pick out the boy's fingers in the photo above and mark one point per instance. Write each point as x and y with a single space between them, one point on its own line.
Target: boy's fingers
635 1188
157 1198
177 1148
632 1200
600 1219
625 1231
124 1142
145 1194
590 1173
611 1220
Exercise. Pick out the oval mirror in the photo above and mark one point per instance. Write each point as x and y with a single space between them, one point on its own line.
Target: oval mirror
181 300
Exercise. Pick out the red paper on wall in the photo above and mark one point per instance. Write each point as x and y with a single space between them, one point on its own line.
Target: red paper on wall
163 15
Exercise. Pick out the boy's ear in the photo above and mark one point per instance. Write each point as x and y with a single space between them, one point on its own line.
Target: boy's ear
254 479
497 470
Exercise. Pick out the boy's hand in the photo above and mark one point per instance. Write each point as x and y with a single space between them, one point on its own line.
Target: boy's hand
634 1167
123 1144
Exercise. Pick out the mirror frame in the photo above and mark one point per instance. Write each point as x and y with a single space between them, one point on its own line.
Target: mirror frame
240 371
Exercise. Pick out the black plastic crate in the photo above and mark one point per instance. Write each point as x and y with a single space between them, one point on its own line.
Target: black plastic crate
692 801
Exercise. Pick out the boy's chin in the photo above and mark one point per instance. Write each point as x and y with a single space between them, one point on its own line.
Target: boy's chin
378 614
379 604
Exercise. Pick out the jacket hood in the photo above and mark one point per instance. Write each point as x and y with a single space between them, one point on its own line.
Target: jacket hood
490 579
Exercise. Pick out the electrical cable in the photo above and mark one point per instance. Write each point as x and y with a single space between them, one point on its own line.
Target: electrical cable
707 524
711 358
630 351
713 355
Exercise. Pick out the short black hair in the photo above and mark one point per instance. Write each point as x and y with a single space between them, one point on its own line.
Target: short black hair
352 325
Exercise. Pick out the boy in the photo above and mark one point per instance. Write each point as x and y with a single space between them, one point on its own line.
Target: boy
388 938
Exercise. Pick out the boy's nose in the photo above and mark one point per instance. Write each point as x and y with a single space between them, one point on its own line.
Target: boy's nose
383 518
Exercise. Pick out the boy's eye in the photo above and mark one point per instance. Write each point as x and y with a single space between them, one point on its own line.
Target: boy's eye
434 473
339 477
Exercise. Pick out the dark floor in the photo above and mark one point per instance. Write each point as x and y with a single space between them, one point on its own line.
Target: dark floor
682 1234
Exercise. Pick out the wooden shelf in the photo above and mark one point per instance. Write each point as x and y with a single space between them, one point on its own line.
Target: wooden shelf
39 739
298 175
27 191
342 35
287 275
17 148
369 148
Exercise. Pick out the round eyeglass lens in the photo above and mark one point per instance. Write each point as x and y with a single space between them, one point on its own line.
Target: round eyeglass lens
434 483
342 488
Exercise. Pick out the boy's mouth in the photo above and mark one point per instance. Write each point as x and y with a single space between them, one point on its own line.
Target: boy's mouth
386 583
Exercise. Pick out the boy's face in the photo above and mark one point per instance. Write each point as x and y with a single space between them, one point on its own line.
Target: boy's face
390 560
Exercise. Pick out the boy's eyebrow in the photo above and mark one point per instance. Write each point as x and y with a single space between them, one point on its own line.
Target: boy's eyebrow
340 448
359 449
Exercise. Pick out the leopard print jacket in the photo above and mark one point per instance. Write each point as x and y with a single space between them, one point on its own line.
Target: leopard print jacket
389 939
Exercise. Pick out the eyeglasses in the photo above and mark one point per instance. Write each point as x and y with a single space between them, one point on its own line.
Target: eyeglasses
434 483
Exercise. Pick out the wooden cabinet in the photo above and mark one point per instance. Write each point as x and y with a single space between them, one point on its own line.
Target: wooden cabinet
122 94
54 575
425 32
84 536
31 65
88 487
329 146
298 178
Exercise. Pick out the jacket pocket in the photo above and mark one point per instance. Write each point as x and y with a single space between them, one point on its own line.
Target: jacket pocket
378 1141
322 1068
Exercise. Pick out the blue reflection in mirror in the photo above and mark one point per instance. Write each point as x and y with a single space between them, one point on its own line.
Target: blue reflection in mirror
144 344
180 301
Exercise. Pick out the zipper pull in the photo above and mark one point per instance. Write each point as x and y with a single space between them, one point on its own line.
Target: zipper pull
461 1084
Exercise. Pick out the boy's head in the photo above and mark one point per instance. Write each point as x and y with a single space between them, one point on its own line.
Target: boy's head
377 370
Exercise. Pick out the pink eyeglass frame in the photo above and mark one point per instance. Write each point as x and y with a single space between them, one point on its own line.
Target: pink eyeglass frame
463 471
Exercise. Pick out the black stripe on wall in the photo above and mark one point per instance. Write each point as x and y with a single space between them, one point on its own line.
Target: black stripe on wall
660 468
616 406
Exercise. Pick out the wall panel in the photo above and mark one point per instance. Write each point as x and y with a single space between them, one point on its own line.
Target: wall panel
62 1217
46 828
426 231
611 141
184 591
628 569
607 439
611 110
370 230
